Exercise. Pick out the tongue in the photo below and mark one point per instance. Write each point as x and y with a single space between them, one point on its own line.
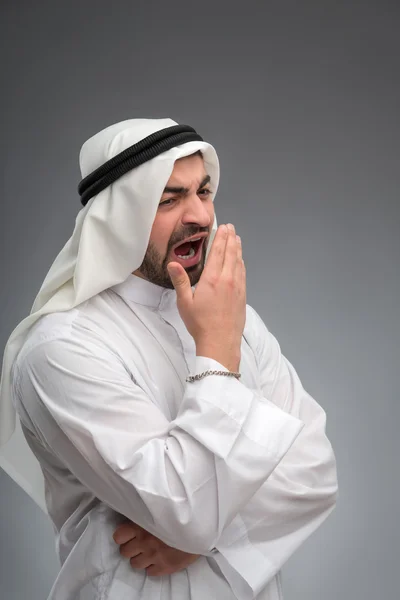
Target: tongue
183 249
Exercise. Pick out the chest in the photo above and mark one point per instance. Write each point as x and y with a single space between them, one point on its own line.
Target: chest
159 353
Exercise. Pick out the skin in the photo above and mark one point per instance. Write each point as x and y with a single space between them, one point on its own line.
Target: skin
145 551
179 216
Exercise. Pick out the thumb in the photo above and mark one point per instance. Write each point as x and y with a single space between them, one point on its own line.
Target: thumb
180 281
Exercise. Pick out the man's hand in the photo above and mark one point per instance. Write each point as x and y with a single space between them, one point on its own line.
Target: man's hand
215 314
145 551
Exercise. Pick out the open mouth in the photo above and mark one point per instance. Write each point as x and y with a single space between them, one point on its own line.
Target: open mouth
188 253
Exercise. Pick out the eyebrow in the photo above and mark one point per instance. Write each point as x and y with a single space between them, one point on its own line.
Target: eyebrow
183 191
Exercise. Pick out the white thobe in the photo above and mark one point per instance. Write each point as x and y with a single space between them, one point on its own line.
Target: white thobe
239 471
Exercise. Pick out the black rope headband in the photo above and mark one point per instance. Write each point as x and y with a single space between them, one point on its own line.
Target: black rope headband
133 157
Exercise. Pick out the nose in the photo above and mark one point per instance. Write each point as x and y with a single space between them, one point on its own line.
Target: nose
197 210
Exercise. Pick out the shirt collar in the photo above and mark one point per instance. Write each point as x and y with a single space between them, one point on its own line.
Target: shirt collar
141 291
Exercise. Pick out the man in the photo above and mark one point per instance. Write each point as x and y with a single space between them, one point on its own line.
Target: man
162 412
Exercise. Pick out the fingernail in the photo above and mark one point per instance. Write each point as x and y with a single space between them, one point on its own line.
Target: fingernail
238 239
231 227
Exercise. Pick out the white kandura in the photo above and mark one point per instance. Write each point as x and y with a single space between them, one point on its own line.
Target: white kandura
239 471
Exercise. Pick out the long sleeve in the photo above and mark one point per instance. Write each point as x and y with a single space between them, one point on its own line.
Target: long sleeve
184 480
298 495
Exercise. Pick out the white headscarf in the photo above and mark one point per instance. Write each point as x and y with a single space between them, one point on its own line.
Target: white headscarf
108 243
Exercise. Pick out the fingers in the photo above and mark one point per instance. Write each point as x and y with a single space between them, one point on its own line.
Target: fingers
225 256
131 548
241 268
181 282
239 250
142 561
231 253
125 532
216 255
157 570
143 543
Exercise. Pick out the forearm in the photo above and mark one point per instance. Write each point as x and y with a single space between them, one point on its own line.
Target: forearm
183 481
292 503
226 354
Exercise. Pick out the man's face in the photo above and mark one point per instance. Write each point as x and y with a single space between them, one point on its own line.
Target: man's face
186 209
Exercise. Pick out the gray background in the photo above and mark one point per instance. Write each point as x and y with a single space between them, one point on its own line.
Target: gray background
301 100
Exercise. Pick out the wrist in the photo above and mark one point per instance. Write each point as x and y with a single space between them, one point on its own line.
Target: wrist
229 359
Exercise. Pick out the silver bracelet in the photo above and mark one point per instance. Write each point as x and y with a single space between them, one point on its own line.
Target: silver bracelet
192 378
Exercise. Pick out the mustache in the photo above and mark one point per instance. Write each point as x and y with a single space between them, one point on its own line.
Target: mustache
188 233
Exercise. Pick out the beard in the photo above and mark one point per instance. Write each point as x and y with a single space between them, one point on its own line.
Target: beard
154 266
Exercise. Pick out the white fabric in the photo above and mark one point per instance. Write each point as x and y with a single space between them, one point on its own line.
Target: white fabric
241 466
238 471
108 243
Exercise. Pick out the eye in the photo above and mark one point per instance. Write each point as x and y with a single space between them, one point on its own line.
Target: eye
205 192
165 202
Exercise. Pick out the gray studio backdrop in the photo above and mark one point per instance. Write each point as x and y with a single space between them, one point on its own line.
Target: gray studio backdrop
301 100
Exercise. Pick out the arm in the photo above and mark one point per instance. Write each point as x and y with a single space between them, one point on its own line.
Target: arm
299 494
112 437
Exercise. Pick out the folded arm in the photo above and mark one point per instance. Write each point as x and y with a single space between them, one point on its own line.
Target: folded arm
295 499
182 481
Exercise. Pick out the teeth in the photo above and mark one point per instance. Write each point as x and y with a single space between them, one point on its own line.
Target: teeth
191 253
